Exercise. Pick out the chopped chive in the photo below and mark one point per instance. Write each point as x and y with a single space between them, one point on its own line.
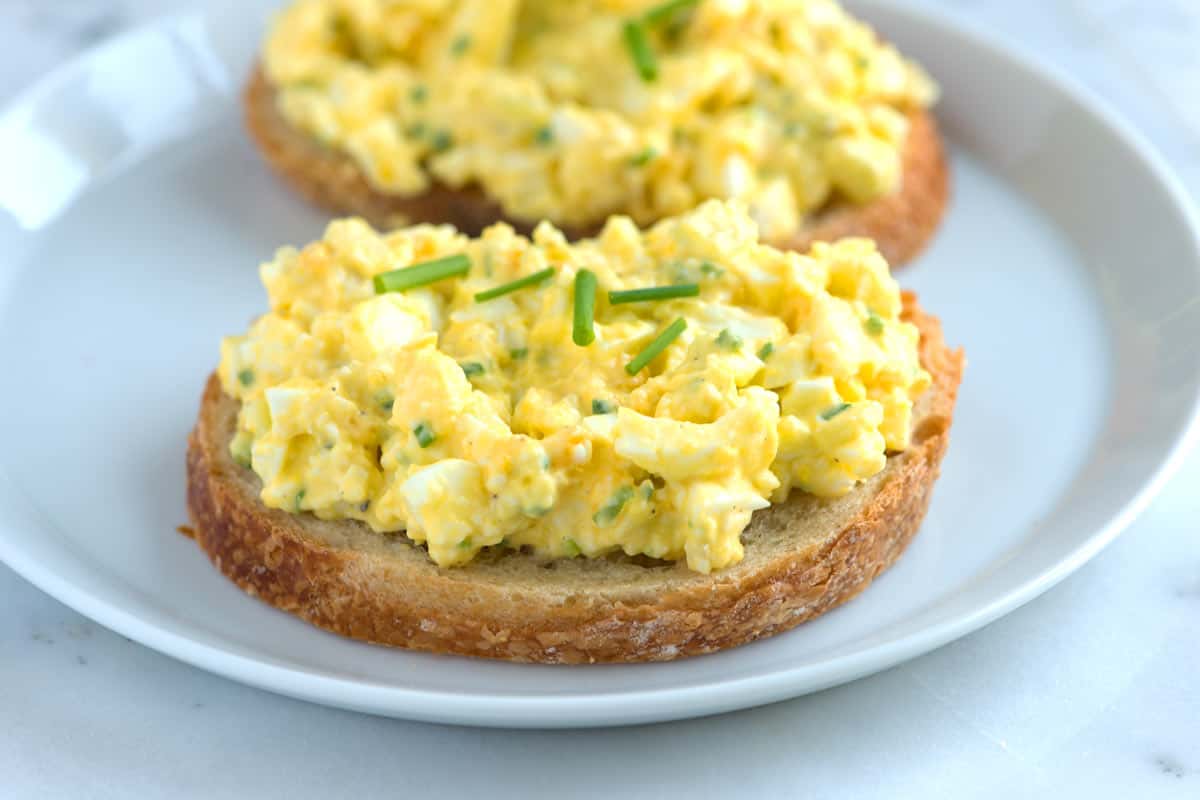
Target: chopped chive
465 543
674 29
832 412
664 11
571 547
519 283
729 340
660 343
385 399
517 353
424 433
460 45
299 498
711 269
339 26
418 94
654 293
544 135
640 51
647 491
243 458
415 131
583 330
644 157
441 141
612 507
874 324
602 406
246 377
766 350
471 368
422 274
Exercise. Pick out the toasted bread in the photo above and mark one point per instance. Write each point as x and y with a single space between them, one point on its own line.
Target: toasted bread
803 557
901 223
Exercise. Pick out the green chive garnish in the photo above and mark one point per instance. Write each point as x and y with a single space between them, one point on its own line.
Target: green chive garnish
517 353
874 324
465 543
299 498
246 377
460 45
418 94
471 368
654 293
830 413
427 272
711 269
571 547
243 458
602 406
424 433
663 12
385 399
639 49
664 339
612 507
441 141
728 340
766 350
544 135
644 157
519 283
583 330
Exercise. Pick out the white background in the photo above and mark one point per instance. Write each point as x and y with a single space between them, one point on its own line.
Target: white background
1091 690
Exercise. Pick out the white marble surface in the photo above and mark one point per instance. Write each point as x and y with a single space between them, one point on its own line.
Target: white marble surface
1092 690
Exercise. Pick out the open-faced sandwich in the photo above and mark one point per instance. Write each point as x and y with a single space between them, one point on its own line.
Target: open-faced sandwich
640 446
471 111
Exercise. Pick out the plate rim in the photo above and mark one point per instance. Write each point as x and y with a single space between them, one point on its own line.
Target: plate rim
633 707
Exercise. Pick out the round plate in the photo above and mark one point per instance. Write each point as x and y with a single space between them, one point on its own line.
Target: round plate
133 213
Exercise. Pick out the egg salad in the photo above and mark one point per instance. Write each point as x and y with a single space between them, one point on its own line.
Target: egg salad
636 392
578 109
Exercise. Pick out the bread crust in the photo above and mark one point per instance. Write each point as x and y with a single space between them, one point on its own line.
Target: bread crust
901 223
518 608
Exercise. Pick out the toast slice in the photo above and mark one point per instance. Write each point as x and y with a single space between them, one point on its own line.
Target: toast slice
901 223
803 557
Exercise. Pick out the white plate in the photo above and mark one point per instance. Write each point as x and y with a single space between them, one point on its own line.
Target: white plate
133 214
